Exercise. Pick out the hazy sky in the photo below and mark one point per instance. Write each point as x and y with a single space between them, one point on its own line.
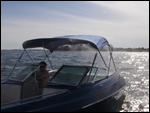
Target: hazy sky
122 23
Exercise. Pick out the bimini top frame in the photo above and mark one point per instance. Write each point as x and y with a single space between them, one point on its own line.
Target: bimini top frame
52 44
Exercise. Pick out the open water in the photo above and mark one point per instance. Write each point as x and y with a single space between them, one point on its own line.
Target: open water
133 66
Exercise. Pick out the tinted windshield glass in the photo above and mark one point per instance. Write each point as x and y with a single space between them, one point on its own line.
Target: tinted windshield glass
22 73
69 75
92 74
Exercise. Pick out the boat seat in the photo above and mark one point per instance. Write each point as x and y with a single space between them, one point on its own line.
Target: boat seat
51 73
30 89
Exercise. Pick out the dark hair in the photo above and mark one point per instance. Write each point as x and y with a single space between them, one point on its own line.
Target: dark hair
43 63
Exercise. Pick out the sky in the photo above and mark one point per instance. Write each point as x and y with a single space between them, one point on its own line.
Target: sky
123 23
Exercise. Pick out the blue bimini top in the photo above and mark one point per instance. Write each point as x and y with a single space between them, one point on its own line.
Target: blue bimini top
52 44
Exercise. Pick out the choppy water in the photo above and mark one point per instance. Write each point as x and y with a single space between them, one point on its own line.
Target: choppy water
134 66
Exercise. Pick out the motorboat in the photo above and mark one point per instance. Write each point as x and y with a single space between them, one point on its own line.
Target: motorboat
70 87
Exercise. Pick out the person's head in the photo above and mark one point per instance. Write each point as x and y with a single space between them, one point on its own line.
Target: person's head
42 66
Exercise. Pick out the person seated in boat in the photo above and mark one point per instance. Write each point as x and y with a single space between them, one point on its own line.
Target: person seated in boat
42 76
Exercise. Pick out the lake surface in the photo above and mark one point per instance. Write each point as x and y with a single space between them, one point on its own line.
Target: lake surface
133 66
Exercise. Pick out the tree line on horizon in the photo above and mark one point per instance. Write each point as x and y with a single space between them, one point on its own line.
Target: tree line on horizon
139 49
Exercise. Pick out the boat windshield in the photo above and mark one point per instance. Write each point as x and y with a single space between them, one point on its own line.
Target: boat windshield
70 75
23 73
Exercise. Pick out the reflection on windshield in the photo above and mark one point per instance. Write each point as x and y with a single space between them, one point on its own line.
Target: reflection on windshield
90 76
22 73
69 75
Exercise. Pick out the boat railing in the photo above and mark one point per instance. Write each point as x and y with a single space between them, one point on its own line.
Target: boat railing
37 97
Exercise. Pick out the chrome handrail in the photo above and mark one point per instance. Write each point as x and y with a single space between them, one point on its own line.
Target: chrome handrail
35 97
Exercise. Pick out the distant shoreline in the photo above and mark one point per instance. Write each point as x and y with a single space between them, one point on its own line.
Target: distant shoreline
131 49
114 49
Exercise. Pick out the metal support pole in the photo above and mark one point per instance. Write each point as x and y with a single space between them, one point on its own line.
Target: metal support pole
110 49
111 58
102 59
29 56
92 66
113 62
109 65
15 64
48 59
46 56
